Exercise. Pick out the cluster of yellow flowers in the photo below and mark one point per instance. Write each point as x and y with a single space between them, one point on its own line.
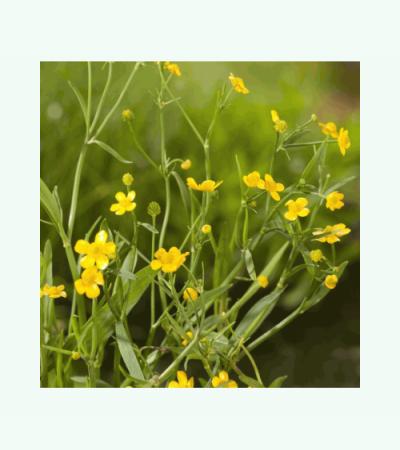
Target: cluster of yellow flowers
96 256
218 381
342 136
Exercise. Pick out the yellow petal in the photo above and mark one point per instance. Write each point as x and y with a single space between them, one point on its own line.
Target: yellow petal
81 246
155 264
87 261
120 197
80 287
102 261
101 237
215 382
181 377
92 291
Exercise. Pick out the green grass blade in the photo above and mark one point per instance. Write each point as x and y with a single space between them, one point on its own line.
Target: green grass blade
125 346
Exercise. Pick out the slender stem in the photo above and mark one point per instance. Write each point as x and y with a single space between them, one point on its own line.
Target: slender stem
102 98
89 98
118 101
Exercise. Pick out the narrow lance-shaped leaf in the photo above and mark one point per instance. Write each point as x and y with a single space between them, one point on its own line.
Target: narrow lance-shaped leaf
111 151
128 354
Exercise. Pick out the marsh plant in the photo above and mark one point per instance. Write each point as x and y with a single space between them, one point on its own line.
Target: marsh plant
201 330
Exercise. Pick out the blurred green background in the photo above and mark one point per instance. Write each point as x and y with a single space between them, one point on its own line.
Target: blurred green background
320 349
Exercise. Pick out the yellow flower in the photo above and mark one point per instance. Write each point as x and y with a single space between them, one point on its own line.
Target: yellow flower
332 233
182 382
190 294
263 281
329 129
238 84
89 282
316 255
334 200
252 179
297 208
127 115
168 261
98 252
125 203
53 291
343 141
187 338
223 381
75 356
186 165
205 186
127 179
271 186
173 68
279 125
206 228
331 281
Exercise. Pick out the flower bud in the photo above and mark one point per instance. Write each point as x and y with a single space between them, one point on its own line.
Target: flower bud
206 229
75 356
127 115
186 165
153 209
127 179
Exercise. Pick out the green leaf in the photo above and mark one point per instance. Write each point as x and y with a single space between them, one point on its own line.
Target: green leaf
50 205
257 314
252 382
111 151
105 318
248 259
125 346
277 383
206 298
340 184
148 227
183 191
81 102
313 161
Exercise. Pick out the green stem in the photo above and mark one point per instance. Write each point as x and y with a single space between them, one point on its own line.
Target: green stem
102 98
141 149
118 101
89 98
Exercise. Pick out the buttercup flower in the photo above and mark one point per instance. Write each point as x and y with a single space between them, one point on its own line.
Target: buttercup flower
263 281
186 165
252 179
190 294
168 261
182 382
316 255
187 338
297 208
173 68
53 291
206 229
238 84
334 200
331 281
271 186
125 203
127 115
332 233
329 129
205 186
223 381
127 179
279 125
98 252
343 141
89 282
